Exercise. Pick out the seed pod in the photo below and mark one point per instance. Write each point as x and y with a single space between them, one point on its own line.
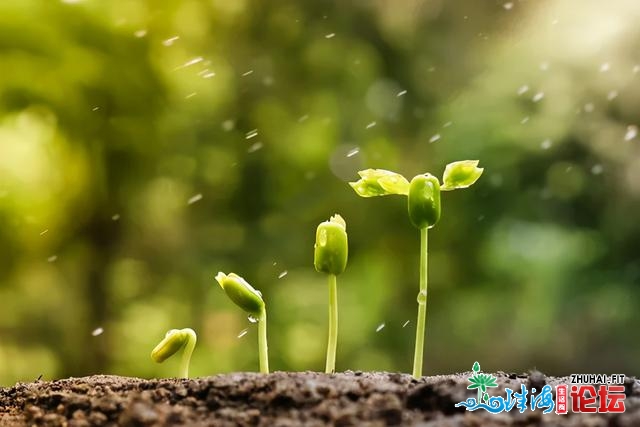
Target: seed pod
241 293
331 248
424 201
173 341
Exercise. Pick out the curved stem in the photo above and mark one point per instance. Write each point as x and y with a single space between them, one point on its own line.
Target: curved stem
187 351
333 325
262 343
422 306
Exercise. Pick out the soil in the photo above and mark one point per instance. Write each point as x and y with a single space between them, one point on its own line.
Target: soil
282 399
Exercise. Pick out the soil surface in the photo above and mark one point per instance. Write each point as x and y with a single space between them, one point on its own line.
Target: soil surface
283 399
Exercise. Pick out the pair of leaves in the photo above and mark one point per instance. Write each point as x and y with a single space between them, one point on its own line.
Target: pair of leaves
380 182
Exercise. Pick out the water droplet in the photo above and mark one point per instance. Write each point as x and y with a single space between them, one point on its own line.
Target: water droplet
322 237
523 89
380 327
43 232
524 120
402 93
546 144
97 331
115 217
612 95
303 118
406 323
248 73
508 6
370 125
538 97
589 107
208 75
140 33
252 319
446 125
632 132
422 297
544 66
597 169
195 198
604 67
251 134
193 61
281 275
353 152
191 95
255 147
52 258
330 36
434 138
228 125
95 108
243 332
169 42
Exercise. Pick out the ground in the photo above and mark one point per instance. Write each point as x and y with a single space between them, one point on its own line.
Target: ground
282 399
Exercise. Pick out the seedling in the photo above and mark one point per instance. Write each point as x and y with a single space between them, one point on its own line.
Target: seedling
250 300
174 341
330 257
423 201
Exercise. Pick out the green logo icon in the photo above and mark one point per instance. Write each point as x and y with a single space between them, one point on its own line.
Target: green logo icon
481 382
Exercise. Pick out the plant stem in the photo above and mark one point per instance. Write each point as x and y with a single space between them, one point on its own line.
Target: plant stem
422 306
186 353
333 325
262 343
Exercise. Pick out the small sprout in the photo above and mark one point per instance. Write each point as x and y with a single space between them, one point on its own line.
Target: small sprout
423 205
461 174
174 341
250 300
380 182
330 257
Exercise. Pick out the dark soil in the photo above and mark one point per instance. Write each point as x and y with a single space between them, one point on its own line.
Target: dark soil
282 399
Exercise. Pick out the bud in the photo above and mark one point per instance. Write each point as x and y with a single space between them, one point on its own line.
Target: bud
380 182
173 341
461 174
331 248
424 201
241 293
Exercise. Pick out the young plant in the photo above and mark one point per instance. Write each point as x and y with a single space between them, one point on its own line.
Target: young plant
250 300
423 202
330 257
174 341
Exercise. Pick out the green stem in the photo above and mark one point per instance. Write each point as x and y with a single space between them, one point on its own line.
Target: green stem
422 306
333 325
186 353
479 395
262 343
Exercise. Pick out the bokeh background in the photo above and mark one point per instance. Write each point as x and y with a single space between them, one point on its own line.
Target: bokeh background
147 145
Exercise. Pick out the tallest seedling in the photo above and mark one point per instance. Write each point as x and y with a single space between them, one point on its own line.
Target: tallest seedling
423 199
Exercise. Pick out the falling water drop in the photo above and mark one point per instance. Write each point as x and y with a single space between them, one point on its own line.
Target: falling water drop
422 297
632 132
380 327
252 319
283 274
97 331
243 332
406 323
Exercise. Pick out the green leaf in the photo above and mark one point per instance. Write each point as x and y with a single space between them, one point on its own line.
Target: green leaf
472 386
476 367
461 174
380 182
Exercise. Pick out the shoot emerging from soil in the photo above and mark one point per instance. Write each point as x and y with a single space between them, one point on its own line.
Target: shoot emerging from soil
174 341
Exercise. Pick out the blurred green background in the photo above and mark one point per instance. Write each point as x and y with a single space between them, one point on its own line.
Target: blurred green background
147 145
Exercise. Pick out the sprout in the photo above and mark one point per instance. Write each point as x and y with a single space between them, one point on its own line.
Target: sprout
330 257
250 300
423 205
174 341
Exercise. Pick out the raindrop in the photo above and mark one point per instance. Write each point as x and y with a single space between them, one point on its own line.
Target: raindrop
193 61
255 147
95 108
632 132
446 125
303 118
604 67
434 138
243 332
538 97
508 6
283 274
252 319
330 36
140 33
43 232
194 199
97 331
208 75
380 327
402 93
524 120
115 217
597 169
544 66
169 42
353 152
247 73
228 125
406 323
612 95
191 95
52 258
251 134
546 144
422 297
523 89
370 125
